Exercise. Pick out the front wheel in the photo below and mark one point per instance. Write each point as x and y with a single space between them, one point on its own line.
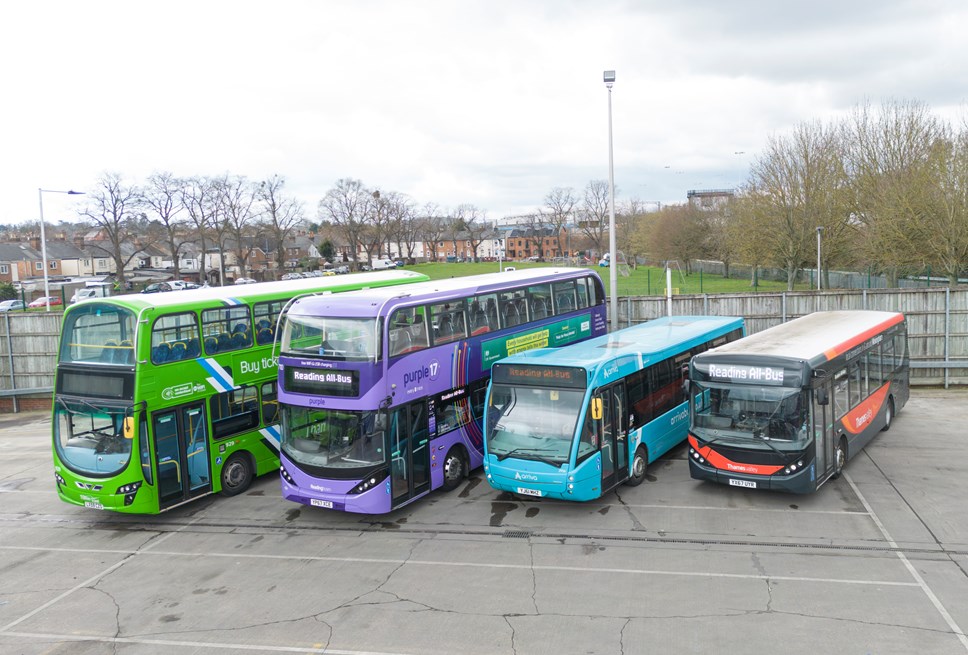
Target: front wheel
840 459
236 475
640 462
455 469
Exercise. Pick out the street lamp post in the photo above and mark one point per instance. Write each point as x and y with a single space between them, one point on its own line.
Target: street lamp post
43 237
819 284
609 77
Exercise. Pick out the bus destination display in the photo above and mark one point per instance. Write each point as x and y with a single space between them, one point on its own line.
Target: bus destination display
322 381
550 376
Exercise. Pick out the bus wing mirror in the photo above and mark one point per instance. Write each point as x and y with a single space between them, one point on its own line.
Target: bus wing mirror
597 409
129 427
822 398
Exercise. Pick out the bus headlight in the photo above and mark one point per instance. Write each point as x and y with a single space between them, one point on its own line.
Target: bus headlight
60 480
129 488
285 475
793 468
369 483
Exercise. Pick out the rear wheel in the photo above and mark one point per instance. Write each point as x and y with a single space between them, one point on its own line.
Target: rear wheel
237 474
889 416
455 468
640 463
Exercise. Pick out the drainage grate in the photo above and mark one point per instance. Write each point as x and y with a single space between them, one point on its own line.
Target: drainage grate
516 534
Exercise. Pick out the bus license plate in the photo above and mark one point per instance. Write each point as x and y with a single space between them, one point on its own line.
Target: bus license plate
529 492
743 483
92 504
328 504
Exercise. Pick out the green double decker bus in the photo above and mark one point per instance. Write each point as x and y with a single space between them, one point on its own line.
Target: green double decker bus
162 398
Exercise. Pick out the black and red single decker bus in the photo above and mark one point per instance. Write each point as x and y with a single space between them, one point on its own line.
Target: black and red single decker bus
787 407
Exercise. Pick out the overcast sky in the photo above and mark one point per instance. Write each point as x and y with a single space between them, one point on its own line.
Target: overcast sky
489 103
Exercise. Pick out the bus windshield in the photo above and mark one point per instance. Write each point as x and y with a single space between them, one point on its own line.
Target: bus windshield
334 438
532 423
99 333
90 437
777 415
337 338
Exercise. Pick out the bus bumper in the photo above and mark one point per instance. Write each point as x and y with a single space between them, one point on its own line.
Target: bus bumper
119 498
801 482
374 501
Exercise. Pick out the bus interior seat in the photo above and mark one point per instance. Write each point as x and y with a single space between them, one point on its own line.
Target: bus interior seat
264 336
224 342
125 353
179 351
445 328
160 353
211 345
191 350
107 353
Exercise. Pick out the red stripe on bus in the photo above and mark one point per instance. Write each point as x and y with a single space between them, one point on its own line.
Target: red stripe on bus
859 419
864 336
726 464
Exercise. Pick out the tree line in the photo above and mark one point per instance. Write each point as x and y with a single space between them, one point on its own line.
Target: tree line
886 186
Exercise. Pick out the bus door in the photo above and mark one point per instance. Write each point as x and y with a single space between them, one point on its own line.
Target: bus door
615 455
181 453
823 431
409 452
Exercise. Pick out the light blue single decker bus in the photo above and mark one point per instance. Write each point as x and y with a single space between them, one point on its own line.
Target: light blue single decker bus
572 423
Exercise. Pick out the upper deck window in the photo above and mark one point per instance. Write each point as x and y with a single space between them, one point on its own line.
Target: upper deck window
174 337
331 338
226 329
99 333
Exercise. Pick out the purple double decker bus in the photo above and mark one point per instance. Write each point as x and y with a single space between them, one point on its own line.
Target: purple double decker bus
382 393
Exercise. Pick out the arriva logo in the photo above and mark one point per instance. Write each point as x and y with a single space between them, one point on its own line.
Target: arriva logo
530 477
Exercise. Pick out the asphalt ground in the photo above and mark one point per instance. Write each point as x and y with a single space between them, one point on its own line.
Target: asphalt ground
875 562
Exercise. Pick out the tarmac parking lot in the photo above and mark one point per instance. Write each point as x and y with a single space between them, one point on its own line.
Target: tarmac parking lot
875 562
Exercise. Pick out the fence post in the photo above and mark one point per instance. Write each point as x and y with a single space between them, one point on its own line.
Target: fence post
947 333
13 379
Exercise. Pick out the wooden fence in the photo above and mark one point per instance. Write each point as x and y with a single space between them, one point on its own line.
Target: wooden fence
937 331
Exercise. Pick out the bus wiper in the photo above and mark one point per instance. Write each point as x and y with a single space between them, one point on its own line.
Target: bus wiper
760 437
539 458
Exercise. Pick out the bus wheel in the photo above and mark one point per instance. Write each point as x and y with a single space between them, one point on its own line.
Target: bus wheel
236 475
889 416
639 465
454 468
840 458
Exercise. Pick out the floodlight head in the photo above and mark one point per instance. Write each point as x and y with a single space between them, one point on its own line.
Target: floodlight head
609 78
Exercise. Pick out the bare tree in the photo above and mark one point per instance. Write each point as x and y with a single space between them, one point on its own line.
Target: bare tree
945 228
799 185
280 213
238 214
888 154
678 234
113 206
432 227
593 213
199 197
474 224
162 198
561 203
535 230
346 207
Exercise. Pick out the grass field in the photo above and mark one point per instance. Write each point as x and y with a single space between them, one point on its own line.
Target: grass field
643 281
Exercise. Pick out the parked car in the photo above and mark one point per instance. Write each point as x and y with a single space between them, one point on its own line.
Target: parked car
291 276
11 305
157 287
399 263
43 301
342 270
244 280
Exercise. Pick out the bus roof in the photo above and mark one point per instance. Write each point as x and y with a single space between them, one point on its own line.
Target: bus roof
458 287
815 338
282 289
647 340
